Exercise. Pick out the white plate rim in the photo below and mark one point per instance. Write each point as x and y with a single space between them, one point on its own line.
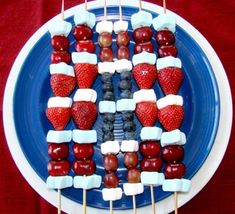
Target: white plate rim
201 177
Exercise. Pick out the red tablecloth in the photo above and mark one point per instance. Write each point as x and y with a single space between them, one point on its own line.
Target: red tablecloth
20 19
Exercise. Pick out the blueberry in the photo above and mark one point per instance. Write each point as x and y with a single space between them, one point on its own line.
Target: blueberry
109 117
109 96
125 85
126 75
129 135
126 94
106 77
107 86
108 136
127 116
107 127
129 126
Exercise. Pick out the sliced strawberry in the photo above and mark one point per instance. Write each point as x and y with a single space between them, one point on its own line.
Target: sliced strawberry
84 114
146 112
145 75
62 85
85 74
170 79
171 117
58 116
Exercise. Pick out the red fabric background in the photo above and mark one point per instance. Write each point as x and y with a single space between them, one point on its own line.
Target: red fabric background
20 19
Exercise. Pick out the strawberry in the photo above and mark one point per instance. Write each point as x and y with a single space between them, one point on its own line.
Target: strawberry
84 114
171 117
146 112
170 79
62 85
58 116
85 74
145 75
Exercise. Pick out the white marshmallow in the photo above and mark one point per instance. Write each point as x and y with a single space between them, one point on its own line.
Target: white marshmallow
107 107
83 17
84 57
165 21
106 67
152 178
62 68
170 99
125 105
129 146
141 19
168 61
85 94
175 137
119 26
60 28
84 136
122 65
150 133
87 182
64 102
176 185
64 136
133 188
110 147
112 194
147 95
104 26
59 182
144 57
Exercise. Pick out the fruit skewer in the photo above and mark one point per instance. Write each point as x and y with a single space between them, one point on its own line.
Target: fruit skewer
170 107
84 111
58 150
107 107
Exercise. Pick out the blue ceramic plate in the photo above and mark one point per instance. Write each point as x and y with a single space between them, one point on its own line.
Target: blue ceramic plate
200 90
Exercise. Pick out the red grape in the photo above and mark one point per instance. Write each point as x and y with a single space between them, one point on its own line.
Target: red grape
142 34
123 38
110 162
111 180
133 175
58 168
58 151
83 151
130 160
84 167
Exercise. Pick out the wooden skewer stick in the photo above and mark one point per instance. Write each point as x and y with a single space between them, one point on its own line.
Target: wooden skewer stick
59 201
105 10
152 199
134 204
62 10
164 6
84 202
120 9
110 207
176 203
140 5
85 4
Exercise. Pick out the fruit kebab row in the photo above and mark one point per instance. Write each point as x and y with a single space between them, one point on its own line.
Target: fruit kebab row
84 111
126 105
58 112
107 108
145 75
171 112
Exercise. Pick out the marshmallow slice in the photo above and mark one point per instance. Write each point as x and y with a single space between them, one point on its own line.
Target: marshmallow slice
64 136
84 136
64 102
61 68
144 57
129 146
122 65
150 133
106 67
84 17
152 178
133 188
119 26
60 28
165 21
104 26
141 19
85 94
176 185
126 105
168 61
87 182
59 182
175 137
110 147
170 99
107 107
112 194
84 57
147 95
